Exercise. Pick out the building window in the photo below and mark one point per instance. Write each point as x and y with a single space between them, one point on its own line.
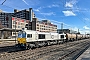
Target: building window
13 22
22 24
44 28
18 23
37 30
18 26
37 27
13 33
13 26
26 24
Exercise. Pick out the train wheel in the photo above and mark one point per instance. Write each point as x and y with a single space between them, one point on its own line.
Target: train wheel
48 43
28 47
37 46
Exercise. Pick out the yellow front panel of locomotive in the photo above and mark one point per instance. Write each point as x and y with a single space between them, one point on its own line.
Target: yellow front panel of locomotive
21 40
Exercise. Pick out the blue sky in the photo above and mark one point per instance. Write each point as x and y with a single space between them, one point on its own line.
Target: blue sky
74 14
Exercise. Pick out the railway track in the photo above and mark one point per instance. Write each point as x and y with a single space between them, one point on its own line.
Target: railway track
63 53
71 55
54 52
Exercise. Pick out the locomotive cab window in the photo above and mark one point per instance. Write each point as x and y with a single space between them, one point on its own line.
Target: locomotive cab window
29 35
62 36
41 36
21 34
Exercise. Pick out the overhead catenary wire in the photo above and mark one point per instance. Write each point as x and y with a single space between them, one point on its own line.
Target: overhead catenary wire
71 10
43 15
78 16
9 6
3 2
6 5
55 20
84 16
81 18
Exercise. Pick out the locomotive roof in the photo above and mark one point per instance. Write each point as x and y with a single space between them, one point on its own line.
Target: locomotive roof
34 32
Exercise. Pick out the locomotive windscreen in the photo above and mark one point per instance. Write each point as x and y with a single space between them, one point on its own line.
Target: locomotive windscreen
22 34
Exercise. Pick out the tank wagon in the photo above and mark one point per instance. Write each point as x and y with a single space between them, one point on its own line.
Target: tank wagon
71 37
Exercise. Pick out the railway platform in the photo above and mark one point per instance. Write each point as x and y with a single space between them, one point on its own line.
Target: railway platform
7 39
85 55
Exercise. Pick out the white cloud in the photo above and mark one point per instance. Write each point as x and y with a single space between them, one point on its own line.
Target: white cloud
75 29
70 3
86 19
37 10
85 27
69 13
54 5
84 31
25 2
50 13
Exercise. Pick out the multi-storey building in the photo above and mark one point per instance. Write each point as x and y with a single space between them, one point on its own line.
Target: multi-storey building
4 18
24 14
65 31
43 26
25 19
17 23
29 25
